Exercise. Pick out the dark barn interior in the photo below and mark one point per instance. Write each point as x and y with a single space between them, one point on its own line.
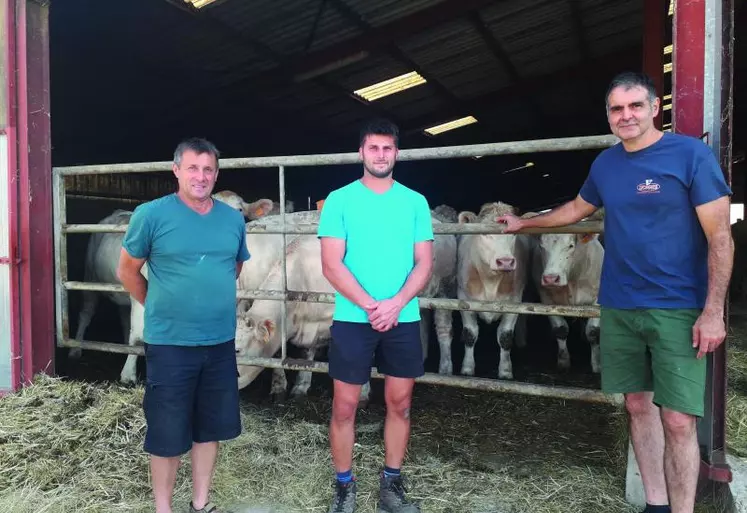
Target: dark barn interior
277 77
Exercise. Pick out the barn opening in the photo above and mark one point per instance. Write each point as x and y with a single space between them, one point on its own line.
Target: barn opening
129 80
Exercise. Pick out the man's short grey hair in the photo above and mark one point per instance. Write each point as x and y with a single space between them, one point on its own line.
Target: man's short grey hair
197 145
629 79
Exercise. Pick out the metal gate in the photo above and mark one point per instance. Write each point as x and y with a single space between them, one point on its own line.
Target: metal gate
63 285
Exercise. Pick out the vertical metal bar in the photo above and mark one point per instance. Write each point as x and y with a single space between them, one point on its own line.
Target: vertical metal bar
283 305
60 257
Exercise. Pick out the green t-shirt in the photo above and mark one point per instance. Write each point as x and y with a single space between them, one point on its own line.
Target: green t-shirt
191 261
380 232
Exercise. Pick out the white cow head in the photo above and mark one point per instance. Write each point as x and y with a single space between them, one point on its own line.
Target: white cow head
254 337
558 251
497 251
251 211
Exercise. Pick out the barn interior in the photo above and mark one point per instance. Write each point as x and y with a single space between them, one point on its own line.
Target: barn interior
129 80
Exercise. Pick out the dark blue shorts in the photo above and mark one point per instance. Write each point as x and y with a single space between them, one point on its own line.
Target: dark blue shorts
191 395
356 346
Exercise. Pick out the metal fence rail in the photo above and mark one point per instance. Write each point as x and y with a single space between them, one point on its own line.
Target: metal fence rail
63 285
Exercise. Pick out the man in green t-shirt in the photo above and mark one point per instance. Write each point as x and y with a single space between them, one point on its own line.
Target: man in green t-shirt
194 247
376 236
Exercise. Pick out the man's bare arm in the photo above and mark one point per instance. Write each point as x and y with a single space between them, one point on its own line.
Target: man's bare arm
239 266
387 312
568 213
420 274
339 276
128 272
714 218
709 330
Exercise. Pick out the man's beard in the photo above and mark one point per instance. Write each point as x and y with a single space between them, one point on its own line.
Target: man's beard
380 174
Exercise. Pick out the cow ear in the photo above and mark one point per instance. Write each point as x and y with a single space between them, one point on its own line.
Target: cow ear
270 327
467 217
257 209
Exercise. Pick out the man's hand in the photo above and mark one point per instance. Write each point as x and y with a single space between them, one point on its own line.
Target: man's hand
513 223
384 317
708 332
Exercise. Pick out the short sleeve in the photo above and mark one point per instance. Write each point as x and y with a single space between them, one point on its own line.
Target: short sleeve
331 221
139 236
589 191
243 255
708 182
423 222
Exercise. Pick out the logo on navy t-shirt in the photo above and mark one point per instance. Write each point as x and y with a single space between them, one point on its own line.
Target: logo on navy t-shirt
648 187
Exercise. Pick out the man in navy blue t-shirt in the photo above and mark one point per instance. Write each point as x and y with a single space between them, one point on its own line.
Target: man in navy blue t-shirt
667 265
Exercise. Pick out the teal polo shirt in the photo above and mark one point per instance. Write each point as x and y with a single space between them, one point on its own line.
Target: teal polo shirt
380 232
191 261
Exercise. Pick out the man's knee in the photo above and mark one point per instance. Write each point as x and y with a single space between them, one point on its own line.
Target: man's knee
345 402
677 424
399 404
639 403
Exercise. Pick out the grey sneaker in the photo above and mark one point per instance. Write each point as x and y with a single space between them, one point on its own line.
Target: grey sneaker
392 496
344 501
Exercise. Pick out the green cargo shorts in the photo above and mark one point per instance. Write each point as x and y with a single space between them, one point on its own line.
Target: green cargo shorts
647 350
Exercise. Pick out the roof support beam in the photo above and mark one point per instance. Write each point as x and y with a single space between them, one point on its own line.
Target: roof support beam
606 65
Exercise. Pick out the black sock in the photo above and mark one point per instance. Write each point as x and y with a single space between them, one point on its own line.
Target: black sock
657 509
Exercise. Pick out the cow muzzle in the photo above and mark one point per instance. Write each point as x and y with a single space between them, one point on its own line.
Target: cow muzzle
552 280
505 264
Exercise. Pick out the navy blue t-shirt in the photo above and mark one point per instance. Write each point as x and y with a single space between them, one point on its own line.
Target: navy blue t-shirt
656 253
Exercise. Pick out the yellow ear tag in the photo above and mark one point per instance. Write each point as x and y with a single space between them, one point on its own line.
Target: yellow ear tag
586 238
259 212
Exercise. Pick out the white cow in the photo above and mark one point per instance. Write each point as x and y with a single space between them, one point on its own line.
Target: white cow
308 324
308 327
566 269
491 267
442 284
102 259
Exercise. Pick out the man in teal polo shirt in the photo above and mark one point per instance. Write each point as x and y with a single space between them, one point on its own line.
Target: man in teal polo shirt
194 247
376 237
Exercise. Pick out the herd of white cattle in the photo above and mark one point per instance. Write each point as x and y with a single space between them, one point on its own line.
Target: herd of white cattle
564 268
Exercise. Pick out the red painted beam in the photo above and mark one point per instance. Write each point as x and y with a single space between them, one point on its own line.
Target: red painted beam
655 17
35 190
688 61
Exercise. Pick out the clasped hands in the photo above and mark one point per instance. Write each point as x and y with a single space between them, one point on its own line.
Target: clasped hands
383 315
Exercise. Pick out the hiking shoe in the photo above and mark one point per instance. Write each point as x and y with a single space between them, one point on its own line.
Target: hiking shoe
344 501
392 496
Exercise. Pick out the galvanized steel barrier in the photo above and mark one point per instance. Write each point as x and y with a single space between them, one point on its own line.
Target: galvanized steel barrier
63 285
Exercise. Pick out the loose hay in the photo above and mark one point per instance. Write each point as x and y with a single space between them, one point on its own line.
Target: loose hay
736 398
71 446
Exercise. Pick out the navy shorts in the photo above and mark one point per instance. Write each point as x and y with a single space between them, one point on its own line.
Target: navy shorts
356 346
191 395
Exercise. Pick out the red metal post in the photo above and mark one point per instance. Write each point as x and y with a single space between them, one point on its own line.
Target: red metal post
35 189
699 97
688 60
655 16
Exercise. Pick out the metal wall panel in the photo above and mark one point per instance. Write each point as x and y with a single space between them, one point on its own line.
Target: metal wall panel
5 292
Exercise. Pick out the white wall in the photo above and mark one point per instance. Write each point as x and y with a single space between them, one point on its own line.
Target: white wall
5 295
737 212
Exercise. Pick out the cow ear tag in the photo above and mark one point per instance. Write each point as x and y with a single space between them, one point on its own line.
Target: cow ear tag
586 238
259 212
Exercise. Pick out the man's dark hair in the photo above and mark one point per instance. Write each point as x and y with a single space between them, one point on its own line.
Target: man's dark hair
379 127
628 79
197 145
